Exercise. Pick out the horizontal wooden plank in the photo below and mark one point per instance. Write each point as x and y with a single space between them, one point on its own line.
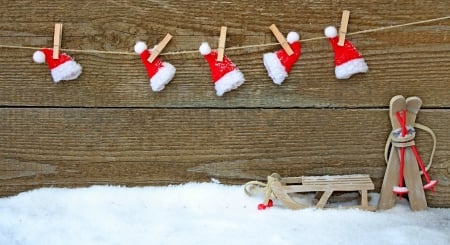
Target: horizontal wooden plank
412 60
326 188
70 147
355 179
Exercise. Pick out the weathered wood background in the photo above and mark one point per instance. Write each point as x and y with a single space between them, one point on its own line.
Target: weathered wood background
107 127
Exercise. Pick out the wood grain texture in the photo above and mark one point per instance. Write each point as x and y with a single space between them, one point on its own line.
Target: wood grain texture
78 147
411 61
108 127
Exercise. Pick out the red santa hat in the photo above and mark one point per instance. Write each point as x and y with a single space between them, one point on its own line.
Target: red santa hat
279 64
348 61
63 68
225 75
159 72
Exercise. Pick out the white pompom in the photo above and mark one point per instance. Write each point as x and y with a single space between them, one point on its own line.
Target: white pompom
139 47
330 32
204 48
39 57
292 37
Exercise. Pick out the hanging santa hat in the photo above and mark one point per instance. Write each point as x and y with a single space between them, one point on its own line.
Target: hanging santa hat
225 75
347 59
63 68
159 72
279 64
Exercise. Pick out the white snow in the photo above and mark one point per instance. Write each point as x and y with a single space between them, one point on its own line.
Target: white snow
202 213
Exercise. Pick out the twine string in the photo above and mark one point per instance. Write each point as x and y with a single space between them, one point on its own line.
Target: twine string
379 29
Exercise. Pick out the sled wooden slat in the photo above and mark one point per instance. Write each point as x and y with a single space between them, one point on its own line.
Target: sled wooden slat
341 179
292 180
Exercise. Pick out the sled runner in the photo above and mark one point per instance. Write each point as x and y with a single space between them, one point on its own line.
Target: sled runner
281 188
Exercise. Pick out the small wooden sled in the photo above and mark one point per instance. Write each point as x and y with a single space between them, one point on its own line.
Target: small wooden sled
324 185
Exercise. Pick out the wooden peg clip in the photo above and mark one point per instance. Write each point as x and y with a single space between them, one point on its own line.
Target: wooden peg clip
159 48
221 48
280 38
57 40
343 27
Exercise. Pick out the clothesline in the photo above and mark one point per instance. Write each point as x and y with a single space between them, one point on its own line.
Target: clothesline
238 47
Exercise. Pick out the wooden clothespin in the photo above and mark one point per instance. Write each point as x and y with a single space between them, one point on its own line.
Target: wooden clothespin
159 48
221 48
343 27
280 38
57 40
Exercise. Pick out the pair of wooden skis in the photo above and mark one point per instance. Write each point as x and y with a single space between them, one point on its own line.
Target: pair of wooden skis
404 160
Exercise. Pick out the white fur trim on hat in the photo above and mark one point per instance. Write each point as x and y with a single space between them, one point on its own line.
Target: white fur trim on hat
292 37
204 48
39 57
229 81
140 47
274 68
350 68
69 70
330 32
164 75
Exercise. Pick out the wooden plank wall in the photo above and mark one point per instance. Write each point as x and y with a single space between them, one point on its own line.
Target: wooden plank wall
107 127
